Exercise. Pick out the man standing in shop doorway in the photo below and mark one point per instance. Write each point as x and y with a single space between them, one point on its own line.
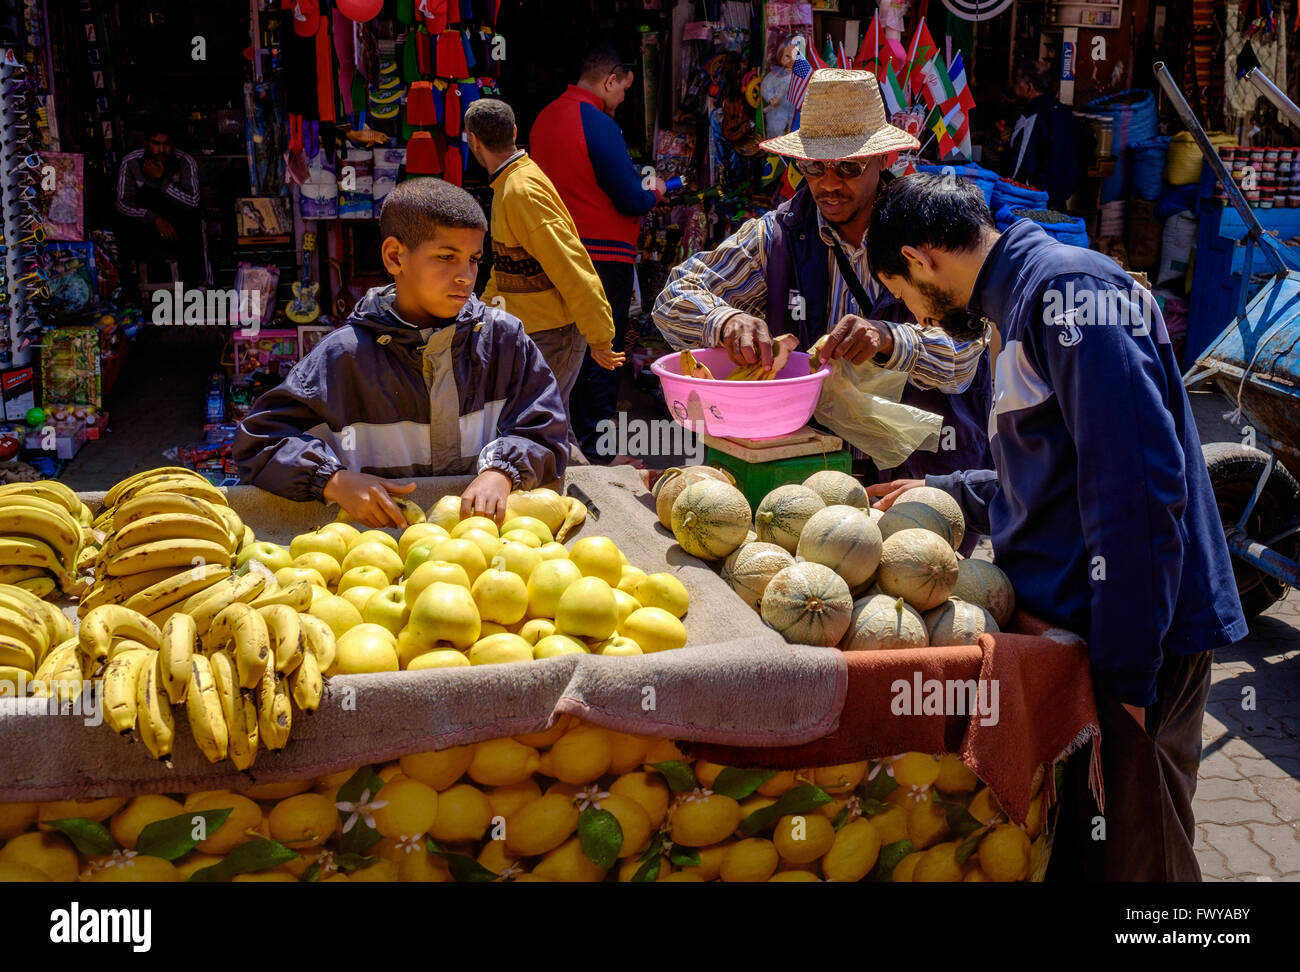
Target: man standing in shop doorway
158 194
1045 143
579 146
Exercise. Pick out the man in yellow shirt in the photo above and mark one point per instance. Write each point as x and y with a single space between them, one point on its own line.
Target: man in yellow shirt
541 272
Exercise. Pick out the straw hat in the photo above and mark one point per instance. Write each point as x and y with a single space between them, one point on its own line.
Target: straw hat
842 117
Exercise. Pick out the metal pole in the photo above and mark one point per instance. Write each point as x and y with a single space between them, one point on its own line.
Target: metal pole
1265 86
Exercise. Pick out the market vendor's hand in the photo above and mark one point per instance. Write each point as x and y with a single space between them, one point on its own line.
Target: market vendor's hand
747 340
607 357
366 498
889 492
164 228
153 168
486 496
858 339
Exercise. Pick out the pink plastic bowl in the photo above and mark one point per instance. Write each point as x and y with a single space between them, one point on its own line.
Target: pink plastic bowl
740 409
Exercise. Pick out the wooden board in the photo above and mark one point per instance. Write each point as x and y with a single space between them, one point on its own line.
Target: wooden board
806 442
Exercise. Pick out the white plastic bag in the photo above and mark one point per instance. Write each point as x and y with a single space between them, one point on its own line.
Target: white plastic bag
859 403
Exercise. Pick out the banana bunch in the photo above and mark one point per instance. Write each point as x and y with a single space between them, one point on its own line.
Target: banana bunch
34 640
781 348
815 354
409 509
167 536
692 368
45 532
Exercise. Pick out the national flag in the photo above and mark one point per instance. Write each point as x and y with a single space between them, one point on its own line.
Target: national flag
799 75
817 62
919 53
892 91
936 88
957 75
879 50
828 51
844 58
958 124
936 124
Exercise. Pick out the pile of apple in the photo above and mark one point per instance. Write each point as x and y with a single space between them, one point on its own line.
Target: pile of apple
452 592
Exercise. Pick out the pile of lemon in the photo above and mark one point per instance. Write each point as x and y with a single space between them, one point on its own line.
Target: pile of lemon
574 803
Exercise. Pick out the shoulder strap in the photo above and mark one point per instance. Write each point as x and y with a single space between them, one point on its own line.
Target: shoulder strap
851 278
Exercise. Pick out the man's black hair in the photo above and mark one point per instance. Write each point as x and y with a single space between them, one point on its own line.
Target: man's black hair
492 122
151 125
1036 76
415 209
602 61
939 211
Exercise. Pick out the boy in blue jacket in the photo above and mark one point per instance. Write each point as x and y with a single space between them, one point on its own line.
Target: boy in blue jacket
424 379
1099 506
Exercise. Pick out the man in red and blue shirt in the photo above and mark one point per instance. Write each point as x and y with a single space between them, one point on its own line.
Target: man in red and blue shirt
581 149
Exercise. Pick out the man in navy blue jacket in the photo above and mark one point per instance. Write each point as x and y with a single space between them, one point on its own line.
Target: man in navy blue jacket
1099 506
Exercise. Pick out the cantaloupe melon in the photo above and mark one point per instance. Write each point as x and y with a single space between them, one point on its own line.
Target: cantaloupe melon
676 479
808 604
710 519
958 623
882 622
782 513
943 504
915 516
875 514
751 566
984 583
918 566
838 488
845 539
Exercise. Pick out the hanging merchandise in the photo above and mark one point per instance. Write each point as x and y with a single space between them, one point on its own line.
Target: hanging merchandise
360 10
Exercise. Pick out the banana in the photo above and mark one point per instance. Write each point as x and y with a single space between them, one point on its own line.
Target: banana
692 368
178 639
32 501
123 645
21 627
227 682
203 707
100 625
297 595
166 614
40 586
247 628
20 678
55 526
274 712
86 516
57 626
120 677
319 637
237 588
573 518
12 575
307 683
160 504
114 496
25 552
166 553
87 557
47 489
239 709
167 526
410 510
248 538
153 715
815 354
17 654
176 588
61 673
186 486
286 636
234 526
119 590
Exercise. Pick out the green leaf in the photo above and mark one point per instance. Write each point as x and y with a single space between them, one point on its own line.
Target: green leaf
802 799
680 777
872 807
464 869
601 836
881 785
889 857
655 849
960 821
256 855
968 846
740 783
360 838
312 874
174 837
347 863
841 818
649 871
685 856
87 836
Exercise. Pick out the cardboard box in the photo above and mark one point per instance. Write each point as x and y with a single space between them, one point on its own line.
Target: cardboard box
19 391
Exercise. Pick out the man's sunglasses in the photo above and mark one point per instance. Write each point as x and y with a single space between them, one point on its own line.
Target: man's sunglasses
845 169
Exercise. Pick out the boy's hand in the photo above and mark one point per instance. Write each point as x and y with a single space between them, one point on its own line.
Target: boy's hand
486 495
607 357
891 491
365 497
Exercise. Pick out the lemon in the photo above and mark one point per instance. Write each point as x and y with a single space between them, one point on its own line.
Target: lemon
663 751
654 629
16 818
99 809
755 803
587 609
547 737
954 777
711 859
375 555
195 861
974 875
891 824
262 877
568 863
663 590
553 551
440 768
488 544
1004 853
519 558
706 773
528 878
794 877
582 755
364 648
141 868
854 852
374 536
753 859
631 577
627 870
547 584
939 863
483 523
417 533
389 771
501 596
460 551
445 513
803 838
500 649
984 806
558 644
841 778
50 853
626 605
495 857
411 808
305 820
779 784
905 868
505 800
927 824
915 769
647 789
525 538
598 557
541 825
684 876
532 526
1034 819
501 762
464 814
329 569
380 872
138 814
699 823
245 816
628 752
633 819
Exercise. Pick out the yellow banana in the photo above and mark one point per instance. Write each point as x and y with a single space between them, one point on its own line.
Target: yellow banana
234 526
114 495
60 673
167 526
32 501
17 654
87 558
410 510
153 714
286 636
120 677
274 712
176 588
575 516
307 683
178 639
20 678
239 710
47 489
162 617
297 595
167 553
85 515
119 590
25 552
244 626
23 628
160 504
57 626
237 588
122 645
12 575
226 681
40 586
186 486
203 707
815 354
100 625
319 637
692 368
249 537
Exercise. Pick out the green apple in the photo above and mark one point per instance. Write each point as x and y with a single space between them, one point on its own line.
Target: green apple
388 608
445 612
289 575
358 595
336 612
366 648
419 533
328 542
555 645
374 554
366 575
272 555
417 555
374 536
617 645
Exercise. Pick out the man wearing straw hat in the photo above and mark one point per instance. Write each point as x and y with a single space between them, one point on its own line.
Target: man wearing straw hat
802 269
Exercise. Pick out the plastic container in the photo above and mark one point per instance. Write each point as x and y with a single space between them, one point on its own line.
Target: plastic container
740 409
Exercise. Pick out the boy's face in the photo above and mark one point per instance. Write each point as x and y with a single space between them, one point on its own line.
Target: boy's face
436 277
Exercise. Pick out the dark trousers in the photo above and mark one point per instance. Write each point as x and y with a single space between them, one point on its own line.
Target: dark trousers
595 395
142 242
1150 780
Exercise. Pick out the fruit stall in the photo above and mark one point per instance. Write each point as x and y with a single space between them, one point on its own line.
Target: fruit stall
668 687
